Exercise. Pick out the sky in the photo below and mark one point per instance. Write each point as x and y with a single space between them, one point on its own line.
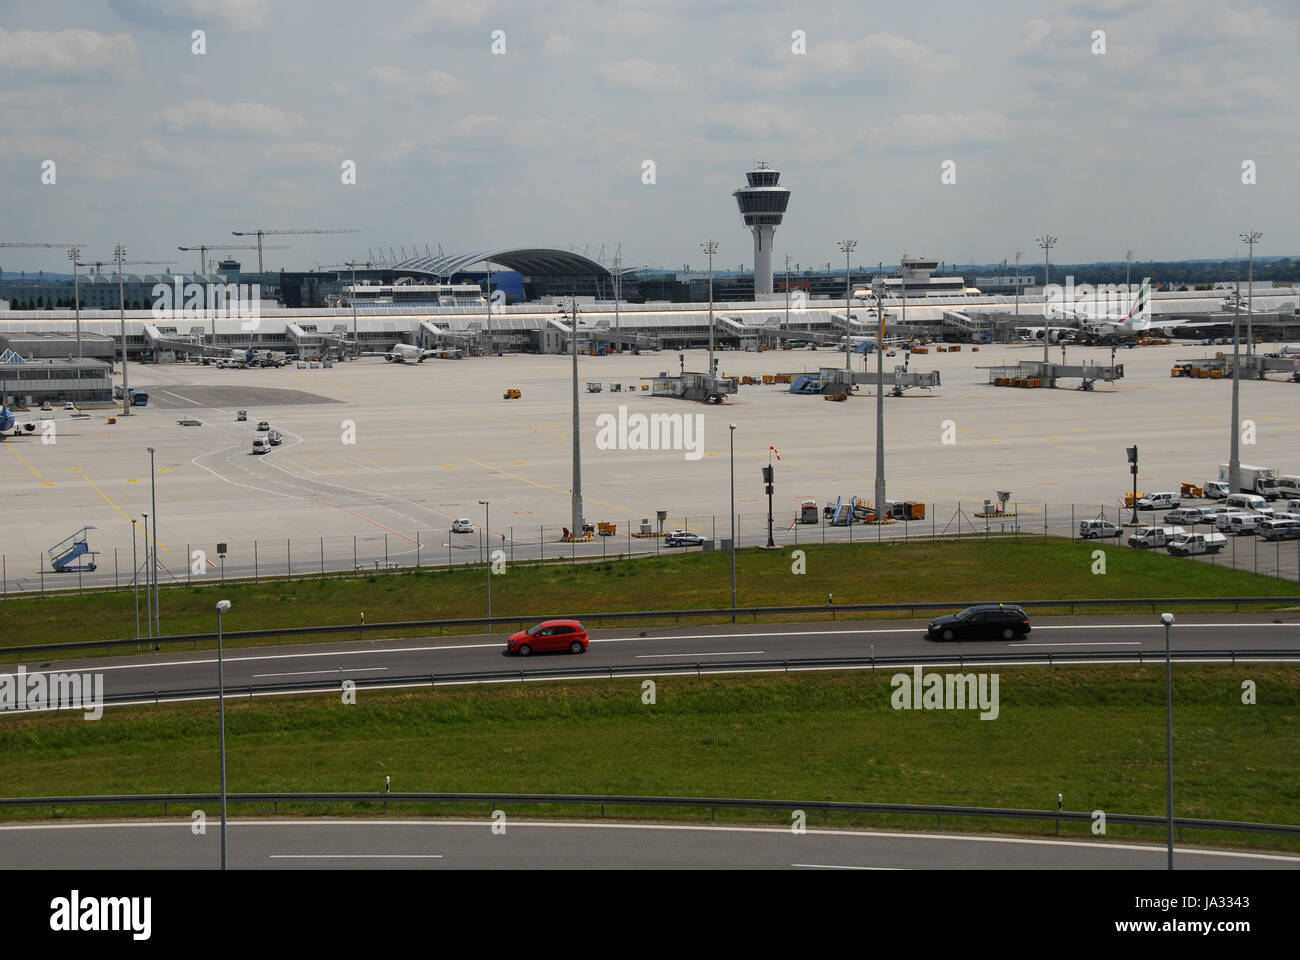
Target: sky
480 123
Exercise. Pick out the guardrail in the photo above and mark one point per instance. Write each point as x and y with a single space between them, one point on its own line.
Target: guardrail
786 665
713 803
599 618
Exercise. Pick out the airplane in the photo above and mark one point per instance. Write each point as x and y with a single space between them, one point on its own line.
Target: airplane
869 344
9 422
405 353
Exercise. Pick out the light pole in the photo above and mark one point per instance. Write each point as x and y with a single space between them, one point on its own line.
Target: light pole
119 252
767 481
1019 254
787 291
710 247
576 519
487 538
222 607
153 568
1234 456
74 254
847 246
1046 241
1168 620
491 344
1133 469
732 427
1128 275
1251 239
880 402
148 605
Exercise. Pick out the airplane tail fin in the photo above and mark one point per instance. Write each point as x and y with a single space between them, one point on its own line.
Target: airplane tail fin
1142 302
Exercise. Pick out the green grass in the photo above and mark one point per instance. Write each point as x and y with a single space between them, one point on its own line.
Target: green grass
1015 570
1094 734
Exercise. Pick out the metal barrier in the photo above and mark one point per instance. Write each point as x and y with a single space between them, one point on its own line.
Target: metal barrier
497 799
599 618
714 666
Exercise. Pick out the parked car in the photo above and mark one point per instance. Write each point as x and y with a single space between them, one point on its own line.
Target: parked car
1223 522
462 526
1277 529
263 426
1244 523
683 538
1152 537
274 438
69 405
982 621
1188 515
261 446
1216 490
47 405
547 636
1094 529
1160 501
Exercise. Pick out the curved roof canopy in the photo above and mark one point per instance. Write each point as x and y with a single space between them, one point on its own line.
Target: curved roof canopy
529 261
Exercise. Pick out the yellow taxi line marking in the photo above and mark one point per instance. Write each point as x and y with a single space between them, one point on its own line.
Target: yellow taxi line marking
10 448
542 486
119 509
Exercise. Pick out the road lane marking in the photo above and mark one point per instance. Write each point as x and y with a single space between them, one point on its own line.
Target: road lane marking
724 653
307 673
355 856
10 448
1085 643
147 535
840 866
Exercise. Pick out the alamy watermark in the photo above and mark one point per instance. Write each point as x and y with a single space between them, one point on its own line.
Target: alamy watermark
655 431
53 691
950 691
181 300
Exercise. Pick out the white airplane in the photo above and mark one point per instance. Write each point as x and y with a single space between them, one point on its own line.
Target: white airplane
405 353
9 422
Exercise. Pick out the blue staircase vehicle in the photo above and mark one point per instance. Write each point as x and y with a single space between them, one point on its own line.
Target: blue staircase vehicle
65 554
808 383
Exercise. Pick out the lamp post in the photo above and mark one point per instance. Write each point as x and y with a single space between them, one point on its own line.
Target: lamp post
880 404
148 605
767 480
1168 620
1019 254
1128 274
222 607
487 539
153 568
1234 455
710 247
732 427
1251 239
135 581
576 519
847 246
1046 241
74 254
119 252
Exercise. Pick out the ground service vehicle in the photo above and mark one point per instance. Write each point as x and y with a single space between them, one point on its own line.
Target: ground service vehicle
1152 537
1224 520
1191 515
1159 501
462 526
1094 529
261 446
1194 543
985 621
1260 480
1244 523
683 538
274 438
1250 502
1279 530
1288 486
263 426
547 636
1216 489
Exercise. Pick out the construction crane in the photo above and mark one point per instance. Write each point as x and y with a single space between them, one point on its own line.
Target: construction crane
203 249
52 246
279 233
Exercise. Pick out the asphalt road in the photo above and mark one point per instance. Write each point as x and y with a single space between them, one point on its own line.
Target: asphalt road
448 844
652 648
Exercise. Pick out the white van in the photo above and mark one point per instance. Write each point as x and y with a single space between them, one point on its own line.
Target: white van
1094 529
1288 486
1246 501
1287 529
1160 501
1223 522
1244 523
1194 543
1151 537
261 446
1292 506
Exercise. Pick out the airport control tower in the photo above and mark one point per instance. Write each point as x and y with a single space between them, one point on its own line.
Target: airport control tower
762 205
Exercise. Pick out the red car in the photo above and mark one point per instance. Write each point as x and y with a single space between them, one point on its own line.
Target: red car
549 635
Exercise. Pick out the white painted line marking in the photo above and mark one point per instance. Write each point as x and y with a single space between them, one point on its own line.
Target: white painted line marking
1086 643
355 856
306 673
724 653
838 866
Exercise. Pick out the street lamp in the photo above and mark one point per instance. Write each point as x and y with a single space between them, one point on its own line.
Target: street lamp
74 254
119 253
732 427
222 607
1251 239
148 605
879 288
1046 241
576 502
135 582
710 247
487 539
1168 620
847 246
153 568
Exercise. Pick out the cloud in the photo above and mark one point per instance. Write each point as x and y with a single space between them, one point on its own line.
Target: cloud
430 83
754 119
644 75
65 53
557 46
875 60
441 13
238 14
228 120
929 129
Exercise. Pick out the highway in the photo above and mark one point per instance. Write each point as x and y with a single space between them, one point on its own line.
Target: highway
650 649
460 844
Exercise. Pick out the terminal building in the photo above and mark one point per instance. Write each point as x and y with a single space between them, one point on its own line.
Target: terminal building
29 383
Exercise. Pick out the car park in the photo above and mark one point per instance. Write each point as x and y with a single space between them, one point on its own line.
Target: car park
549 636
462 526
1095 529
1159 501
683 538
985 621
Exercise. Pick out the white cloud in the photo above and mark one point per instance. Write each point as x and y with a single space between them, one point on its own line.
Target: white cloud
240 14
430 83
237 14
929 129
68 53
225 120
557 46
644 75
754 119
440 13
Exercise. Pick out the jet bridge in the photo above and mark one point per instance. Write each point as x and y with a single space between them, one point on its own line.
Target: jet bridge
833 380
1036 373
1258 366
692 386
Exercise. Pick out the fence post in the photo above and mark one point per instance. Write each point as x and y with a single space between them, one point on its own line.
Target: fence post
288 557
385 551
188 565
322 558
417 549
354 553
1072 527
541 540
115 569
255 561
